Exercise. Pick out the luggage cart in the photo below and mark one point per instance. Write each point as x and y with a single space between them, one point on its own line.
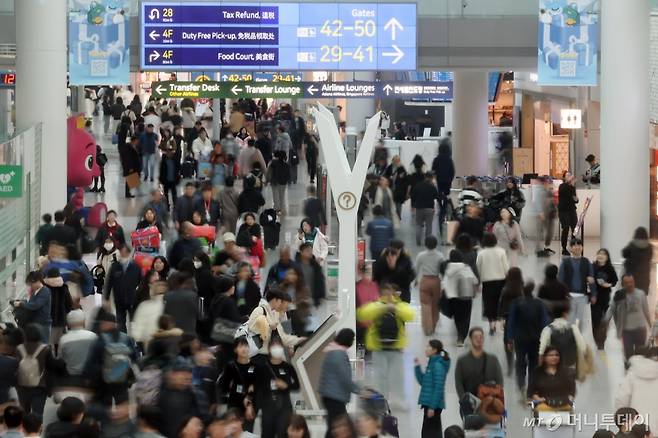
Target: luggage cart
552 424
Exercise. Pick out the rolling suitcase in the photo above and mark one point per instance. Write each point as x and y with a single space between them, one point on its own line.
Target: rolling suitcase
378 404
188 168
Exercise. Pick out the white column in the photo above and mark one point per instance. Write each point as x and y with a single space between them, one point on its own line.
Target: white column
470 123
357 110
624 121
41 90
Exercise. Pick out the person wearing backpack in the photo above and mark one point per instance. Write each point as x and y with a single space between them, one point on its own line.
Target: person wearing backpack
110 361
565 336
278 175
36 367
386 338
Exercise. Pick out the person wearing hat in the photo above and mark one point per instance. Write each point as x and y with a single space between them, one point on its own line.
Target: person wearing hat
61 303
110 361
170 172
508 233
225 260
593 174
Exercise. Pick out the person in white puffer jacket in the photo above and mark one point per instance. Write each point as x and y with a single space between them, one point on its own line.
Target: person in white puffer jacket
145 321
459 283
639 389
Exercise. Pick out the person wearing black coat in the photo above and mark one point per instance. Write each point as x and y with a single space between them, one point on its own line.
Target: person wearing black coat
61 303
313 274
444 170
130 160
313 208
204 286
638 255
60 232
398 180
121 285
395 267
170 173
251 199
247 292
184 206
606 278
552 292
472 224
511 197
185 247
181 302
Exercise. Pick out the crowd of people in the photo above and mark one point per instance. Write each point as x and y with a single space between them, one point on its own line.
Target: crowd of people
198 334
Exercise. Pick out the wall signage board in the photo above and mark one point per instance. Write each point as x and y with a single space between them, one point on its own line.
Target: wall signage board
308 90
11 181
219 35
568 42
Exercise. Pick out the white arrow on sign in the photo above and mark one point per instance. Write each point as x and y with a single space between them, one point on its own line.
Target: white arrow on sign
388 89
312 90
224 78
155 55
153 35
155 13
160 89
235 90
393 24
298 78
398 54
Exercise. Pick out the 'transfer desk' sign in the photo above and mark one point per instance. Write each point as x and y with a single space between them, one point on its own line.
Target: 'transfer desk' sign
184 36
308 90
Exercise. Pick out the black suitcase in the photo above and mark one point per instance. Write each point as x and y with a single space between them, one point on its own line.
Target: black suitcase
188 168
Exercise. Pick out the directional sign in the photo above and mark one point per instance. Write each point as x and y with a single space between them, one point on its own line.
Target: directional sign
219 35
308 90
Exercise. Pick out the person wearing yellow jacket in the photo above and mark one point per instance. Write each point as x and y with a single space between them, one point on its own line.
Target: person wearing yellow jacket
386 338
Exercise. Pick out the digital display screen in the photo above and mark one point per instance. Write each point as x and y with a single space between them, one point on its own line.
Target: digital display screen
7 80
277 36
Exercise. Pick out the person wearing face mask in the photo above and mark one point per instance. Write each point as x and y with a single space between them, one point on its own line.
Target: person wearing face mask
107 254
275 379
121 285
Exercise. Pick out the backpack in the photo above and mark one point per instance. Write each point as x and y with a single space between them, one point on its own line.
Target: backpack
116 358
281 173
388 330
253 339
565 341
147 386
29 371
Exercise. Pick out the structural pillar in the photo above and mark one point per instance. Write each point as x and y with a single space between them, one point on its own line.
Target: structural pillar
357 110
624 122
470 133
41 61
5 113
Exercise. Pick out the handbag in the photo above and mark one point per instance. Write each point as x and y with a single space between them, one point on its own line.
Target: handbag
513 243
446 307
223 330
101 159
115 138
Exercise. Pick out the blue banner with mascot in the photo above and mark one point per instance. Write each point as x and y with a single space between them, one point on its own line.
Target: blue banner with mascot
99 42
568 42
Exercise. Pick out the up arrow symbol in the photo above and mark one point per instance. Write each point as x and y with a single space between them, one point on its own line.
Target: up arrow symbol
393 24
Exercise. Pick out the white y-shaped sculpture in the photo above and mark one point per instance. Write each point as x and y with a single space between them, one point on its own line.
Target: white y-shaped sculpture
346 187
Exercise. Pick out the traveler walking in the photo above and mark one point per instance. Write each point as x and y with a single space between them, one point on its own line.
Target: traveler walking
428 265
566 207
492 265
606 278
577 274
459 284
638 255
423 196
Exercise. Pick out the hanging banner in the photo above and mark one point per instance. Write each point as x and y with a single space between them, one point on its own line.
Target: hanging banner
99 42
568 44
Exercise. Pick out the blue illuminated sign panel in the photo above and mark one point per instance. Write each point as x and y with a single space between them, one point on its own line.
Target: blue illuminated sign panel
223 36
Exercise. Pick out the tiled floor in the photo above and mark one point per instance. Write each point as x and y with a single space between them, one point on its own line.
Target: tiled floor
595 396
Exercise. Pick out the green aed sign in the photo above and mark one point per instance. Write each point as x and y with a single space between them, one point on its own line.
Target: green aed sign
11 181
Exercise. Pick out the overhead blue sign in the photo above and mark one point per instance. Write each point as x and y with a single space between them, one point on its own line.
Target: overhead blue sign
224 36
